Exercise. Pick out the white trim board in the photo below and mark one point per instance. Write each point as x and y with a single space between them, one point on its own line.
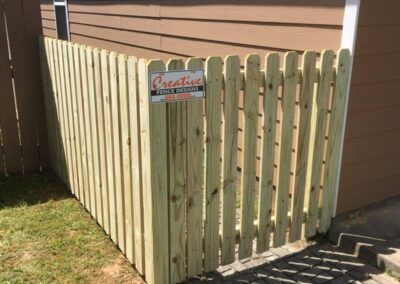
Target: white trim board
349 36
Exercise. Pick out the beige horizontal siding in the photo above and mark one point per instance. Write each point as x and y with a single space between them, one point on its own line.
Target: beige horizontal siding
364 96
284 11
375 68
198 28
372 121
362 195
370 170
359 149
371 154
378 39
48 18
375 13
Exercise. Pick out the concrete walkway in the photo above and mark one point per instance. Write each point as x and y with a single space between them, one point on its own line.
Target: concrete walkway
291 264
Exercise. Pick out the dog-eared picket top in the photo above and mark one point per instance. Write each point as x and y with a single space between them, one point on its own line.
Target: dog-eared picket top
162 179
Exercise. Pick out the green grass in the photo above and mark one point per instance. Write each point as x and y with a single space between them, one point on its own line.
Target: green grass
47 237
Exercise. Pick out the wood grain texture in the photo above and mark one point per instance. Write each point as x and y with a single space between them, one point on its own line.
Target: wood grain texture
60 113
90 112
86 90
248 185
101 76
195 180
229 154
94 125
287 105
321 110
213 111
117 155
101 140
137 194
75 119
305 141
47 94
81 126
108 129
177 160
69 119
126 154
335 135
270 104
153 127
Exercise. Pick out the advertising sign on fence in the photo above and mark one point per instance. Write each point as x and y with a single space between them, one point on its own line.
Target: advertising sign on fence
171 86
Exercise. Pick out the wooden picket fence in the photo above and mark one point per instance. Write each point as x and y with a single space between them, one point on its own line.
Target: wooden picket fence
162 179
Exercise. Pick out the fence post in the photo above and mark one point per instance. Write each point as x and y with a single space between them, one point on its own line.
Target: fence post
336 133
153 129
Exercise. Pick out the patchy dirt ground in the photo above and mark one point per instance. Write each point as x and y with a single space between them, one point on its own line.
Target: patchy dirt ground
46 236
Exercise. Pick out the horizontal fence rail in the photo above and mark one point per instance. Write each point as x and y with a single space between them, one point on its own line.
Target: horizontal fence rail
163 180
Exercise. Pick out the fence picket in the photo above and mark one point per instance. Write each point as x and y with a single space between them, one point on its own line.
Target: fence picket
231 117
81 126
90 201
195 180
153 128
60 157
125 154
105 73
57 57
288 104
304 143
65 111
64 114
116 126
268 151
93 89
75 127
320 130
137 194
214 82
336 132
69 120
101 140
47 95
250 125
88 91
52 106
177 178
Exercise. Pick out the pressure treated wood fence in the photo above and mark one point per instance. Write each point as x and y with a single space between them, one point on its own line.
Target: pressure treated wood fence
162 179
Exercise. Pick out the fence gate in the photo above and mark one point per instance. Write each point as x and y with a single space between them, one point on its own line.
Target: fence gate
162 179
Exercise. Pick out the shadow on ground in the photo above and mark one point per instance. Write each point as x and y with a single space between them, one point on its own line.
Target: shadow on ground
372 233
31 189
317 264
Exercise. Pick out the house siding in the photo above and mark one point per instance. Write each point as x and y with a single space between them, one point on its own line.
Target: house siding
371 154
48 18
165 29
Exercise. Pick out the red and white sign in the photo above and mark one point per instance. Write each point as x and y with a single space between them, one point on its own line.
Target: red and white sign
180 85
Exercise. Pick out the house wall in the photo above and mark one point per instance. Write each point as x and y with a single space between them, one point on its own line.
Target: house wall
48 18
167 28
371 154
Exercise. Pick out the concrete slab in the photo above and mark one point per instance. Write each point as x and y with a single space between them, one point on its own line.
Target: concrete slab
371 233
